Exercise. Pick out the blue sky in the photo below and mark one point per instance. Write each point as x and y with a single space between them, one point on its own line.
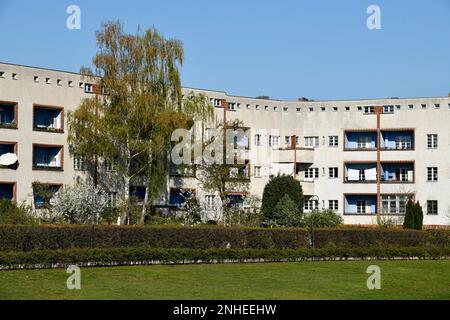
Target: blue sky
284 49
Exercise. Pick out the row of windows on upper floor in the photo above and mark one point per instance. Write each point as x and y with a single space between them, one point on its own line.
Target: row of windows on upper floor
87 87
400 142
233 106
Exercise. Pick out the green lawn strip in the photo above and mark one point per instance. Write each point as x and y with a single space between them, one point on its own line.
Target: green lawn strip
424 279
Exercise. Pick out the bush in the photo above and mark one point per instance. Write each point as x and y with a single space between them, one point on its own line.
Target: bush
26 238
286 213
10 213
133 256
413 216
277 188
322 219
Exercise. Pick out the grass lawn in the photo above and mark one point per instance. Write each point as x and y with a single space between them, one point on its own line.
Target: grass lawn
306 280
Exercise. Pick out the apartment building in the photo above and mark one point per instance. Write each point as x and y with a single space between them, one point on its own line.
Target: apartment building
362 158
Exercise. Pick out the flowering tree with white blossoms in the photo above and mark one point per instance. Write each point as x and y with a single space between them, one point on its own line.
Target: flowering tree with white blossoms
80 204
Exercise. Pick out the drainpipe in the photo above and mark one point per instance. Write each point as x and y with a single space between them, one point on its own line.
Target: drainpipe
378 112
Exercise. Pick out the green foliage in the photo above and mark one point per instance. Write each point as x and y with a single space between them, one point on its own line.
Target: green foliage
286 213
131 255
322 219
413 216
193 211
25 238
11 214
276 189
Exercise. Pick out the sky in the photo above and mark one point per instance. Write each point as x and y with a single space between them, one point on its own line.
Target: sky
284 49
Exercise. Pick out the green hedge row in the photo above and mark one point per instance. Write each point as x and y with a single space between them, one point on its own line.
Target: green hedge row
26 238
141 255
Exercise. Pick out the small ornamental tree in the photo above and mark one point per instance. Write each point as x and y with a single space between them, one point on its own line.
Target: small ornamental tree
80 204
408 223
413 216
418 216
286 213
276 189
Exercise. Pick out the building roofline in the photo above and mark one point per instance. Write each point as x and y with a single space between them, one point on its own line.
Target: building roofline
239 96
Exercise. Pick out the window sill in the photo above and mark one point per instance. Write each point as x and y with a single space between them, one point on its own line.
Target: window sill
8 126
48 130
42 168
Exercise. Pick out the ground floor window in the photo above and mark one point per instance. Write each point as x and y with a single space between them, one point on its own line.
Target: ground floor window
333 205
394 204
311 205
361 206
209 202
432 207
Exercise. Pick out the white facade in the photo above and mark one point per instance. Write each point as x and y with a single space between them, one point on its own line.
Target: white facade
335 157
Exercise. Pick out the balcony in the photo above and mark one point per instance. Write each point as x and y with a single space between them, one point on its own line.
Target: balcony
391 172
43 193
365 140
46 157
360 204
360 172
8 191
301 155
48 119
178 197
397 139
240 172
397 172
8 115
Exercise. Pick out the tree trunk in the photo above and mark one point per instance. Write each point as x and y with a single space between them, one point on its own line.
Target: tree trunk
124 214
145 204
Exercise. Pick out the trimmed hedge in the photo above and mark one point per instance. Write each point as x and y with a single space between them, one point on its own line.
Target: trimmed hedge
27 238
133 256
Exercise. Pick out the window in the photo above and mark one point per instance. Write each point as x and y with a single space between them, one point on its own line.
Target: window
388 109
248 107
266 108
48 80
257 139
312 173
403 142
287 140
332 173
275 109
59 82
432 141
311 142
432 207
410 106
109 165
257 107
364 143
2 74
299 109
335 109
333 141
209 202
424 106
361 206
257 172
311 205
70 84
347 108
398 107
36 79
231 106
333 205
285 109
274 141
369 109
81 85
432 174
322 109
14 76
311 109
437 106
78 163
88 88
112 199
394 204
238 105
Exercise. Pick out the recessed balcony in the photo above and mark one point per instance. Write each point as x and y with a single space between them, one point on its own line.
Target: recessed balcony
49 119
8 115
8 191
364 140
46 157
397 139
360 204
